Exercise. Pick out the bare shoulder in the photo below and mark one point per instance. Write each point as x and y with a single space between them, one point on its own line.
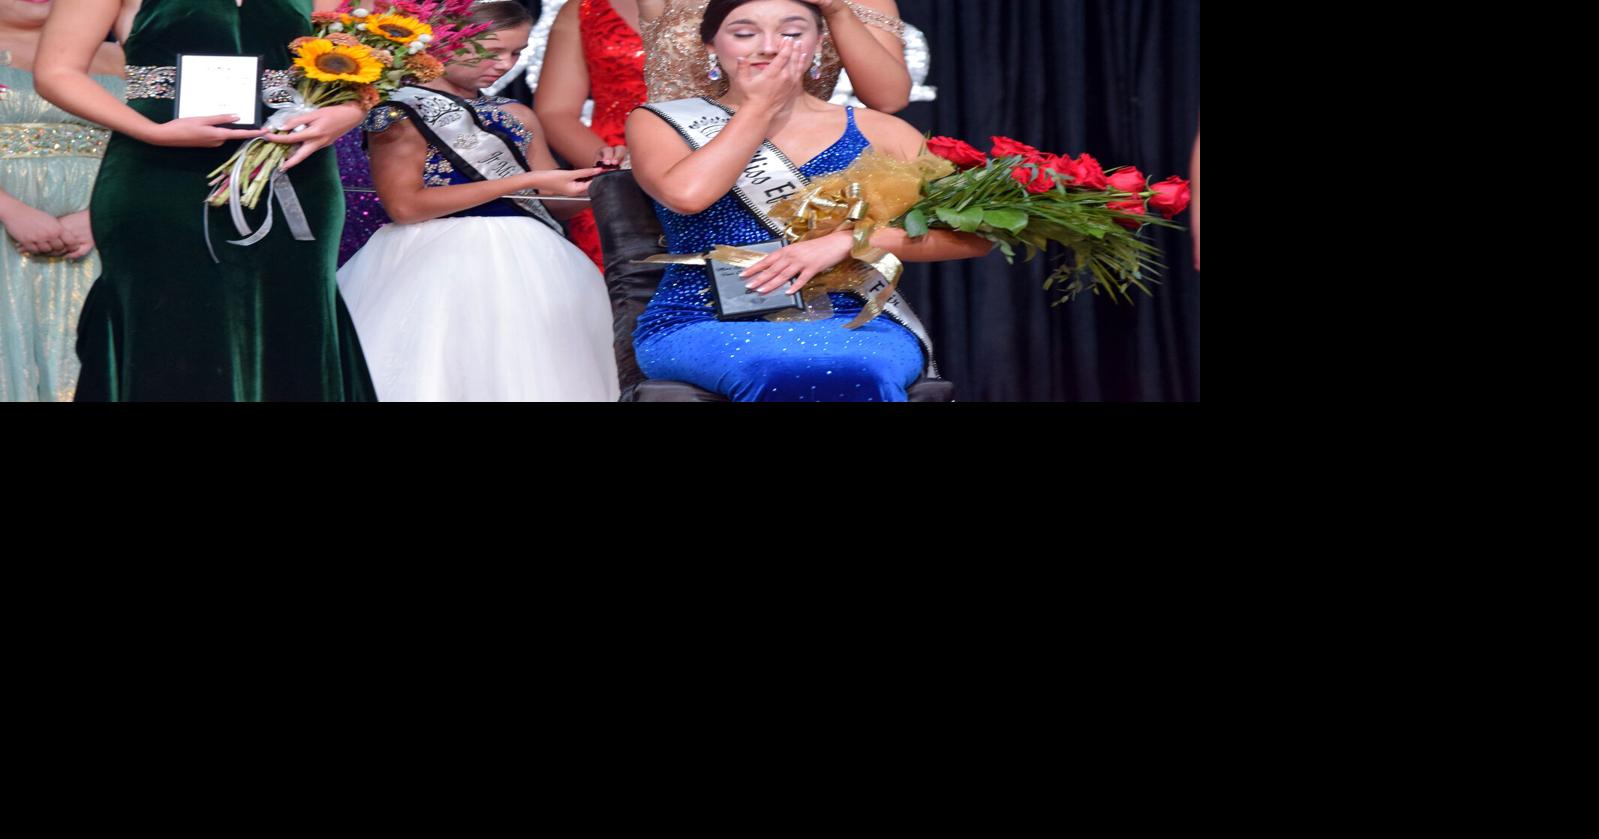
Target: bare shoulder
567 18
521 112
647 123
392 134
888 133
655 145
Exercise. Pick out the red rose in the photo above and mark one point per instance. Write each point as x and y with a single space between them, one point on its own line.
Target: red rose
1128 180
1171 196
1036 184
958 152
1131 206
1006 147
1089 173
1062 165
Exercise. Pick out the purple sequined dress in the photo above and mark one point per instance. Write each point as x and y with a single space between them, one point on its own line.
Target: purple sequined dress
363 215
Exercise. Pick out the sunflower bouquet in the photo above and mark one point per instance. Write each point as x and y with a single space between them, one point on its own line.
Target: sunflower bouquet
356 54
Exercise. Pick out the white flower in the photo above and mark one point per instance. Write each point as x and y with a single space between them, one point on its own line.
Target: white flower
424 38
335 27
361 26
360 13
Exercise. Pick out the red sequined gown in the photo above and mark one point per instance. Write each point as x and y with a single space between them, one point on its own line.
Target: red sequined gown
614 53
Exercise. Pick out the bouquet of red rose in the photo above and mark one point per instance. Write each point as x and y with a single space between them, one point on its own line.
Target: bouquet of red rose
1018 198
1022 197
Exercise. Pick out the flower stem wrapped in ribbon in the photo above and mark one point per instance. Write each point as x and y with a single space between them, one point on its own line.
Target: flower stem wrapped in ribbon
872 193
1022 197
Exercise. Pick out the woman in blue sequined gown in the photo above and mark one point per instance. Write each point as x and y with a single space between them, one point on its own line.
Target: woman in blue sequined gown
765 48
465 297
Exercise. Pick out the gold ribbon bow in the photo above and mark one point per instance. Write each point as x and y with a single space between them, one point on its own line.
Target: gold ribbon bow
874 191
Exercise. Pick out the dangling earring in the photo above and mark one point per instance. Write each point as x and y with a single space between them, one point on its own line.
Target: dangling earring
816 66
715 73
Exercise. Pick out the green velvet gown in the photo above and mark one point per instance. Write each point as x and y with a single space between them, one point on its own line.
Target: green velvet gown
165 322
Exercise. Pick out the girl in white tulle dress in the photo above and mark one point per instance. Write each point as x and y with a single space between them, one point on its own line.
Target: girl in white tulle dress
469 296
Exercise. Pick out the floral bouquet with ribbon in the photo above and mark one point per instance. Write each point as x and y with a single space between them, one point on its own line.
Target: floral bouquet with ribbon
1022 197
873 192
1018 198
357 54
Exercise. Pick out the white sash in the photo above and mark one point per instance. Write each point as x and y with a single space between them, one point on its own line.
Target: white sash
452 128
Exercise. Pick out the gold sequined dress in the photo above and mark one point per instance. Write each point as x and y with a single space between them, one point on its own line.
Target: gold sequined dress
48 160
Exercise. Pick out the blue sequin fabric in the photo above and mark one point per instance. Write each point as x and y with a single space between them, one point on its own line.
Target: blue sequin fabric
679 338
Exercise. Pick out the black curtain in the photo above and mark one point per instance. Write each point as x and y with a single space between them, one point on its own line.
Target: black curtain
1120 80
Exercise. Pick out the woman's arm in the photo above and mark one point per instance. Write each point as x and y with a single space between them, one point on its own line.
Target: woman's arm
72 36
539 157
397 157
563 88
874 58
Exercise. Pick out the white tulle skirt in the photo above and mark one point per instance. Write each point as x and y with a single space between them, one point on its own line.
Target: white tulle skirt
480 309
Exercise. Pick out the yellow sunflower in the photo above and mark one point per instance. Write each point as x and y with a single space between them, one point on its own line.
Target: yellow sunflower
326 62
397 28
